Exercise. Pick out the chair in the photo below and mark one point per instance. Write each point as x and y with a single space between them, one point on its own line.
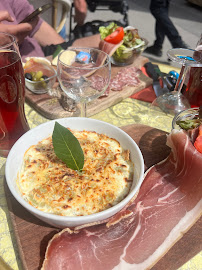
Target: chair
60 12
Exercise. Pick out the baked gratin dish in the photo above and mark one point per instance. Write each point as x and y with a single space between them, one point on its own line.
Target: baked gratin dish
46 183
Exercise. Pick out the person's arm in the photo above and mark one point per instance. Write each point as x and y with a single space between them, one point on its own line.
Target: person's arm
46 35
20 31
80 11
21 9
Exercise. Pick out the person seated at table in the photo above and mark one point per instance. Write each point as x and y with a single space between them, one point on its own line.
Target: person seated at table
32 37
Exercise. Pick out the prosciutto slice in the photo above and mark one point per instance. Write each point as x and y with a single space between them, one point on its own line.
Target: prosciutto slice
109 48
168 204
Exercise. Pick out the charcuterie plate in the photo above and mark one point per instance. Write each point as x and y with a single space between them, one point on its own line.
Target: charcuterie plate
52 107
33 235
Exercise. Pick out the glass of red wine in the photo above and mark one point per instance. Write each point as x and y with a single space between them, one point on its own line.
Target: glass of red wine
13 122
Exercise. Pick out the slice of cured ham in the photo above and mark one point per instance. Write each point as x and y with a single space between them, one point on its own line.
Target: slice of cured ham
109 48
169 202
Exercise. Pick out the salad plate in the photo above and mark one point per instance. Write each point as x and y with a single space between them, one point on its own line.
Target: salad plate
131 43
128 55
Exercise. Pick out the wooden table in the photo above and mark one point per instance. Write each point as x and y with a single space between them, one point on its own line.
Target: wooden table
52 108
31 245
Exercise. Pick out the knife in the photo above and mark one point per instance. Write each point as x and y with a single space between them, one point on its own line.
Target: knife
154 73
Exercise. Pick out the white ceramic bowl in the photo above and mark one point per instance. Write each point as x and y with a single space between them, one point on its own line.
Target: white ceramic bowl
41 87
35 135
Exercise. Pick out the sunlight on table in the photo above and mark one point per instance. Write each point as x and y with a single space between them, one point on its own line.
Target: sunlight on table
127 112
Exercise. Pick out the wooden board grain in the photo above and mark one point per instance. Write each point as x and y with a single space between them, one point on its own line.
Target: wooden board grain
51 108
33 235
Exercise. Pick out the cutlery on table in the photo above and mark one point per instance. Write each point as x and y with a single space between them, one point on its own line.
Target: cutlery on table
154 73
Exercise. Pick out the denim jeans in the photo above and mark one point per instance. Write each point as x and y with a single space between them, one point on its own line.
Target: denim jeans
164 26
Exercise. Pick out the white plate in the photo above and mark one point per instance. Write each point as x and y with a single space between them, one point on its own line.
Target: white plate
32 137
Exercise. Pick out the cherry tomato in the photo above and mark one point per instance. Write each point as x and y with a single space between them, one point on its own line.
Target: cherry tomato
198 144
116 36
198 141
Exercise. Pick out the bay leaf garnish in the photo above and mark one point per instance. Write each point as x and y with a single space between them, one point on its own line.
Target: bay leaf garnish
67 147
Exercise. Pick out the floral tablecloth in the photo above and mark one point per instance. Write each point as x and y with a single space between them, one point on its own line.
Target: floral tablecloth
127 112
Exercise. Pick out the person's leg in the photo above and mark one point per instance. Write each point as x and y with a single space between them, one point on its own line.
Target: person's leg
156 48
167 26
160 35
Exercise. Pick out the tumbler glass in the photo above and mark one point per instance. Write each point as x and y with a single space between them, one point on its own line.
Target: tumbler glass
13 122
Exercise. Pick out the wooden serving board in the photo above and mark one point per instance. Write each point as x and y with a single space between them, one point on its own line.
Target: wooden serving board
51 108
33 235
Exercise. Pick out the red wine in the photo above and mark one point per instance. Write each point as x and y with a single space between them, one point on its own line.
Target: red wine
13 122
193 90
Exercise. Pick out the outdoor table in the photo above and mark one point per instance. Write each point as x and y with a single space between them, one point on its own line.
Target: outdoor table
141 114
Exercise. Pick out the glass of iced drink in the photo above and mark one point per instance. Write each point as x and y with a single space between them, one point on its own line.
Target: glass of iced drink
13 122
193 84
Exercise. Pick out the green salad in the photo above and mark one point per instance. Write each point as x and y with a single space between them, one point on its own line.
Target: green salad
131 41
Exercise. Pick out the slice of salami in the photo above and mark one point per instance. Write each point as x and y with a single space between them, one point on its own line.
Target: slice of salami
125 77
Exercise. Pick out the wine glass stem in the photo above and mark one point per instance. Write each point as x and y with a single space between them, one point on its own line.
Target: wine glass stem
83 109
181 79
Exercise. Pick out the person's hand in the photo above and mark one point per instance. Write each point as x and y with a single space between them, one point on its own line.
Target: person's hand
20 31
4 15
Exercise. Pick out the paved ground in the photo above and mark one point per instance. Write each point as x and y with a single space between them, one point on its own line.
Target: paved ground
186 17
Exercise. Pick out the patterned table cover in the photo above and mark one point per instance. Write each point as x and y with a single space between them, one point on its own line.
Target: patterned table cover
129 111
